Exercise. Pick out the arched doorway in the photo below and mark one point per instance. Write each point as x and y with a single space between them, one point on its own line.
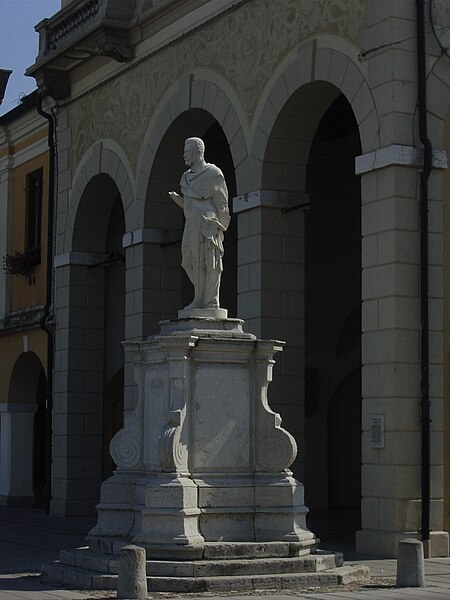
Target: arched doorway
309 161
23 435
167 288
333 322
91 314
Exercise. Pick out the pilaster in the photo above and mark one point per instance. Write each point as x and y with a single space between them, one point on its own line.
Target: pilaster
271 275
391 326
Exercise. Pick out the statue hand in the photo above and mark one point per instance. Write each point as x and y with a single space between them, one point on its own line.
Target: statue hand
176 198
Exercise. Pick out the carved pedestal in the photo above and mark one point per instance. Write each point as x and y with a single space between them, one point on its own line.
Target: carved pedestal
202 460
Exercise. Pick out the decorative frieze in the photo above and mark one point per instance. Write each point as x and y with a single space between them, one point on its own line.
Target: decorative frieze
244 46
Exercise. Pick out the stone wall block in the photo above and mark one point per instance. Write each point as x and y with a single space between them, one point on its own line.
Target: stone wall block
369 251
362 103
401 312
221 107
352 82
231 125
435 281
256 276
249 249
400 380
398 247
370 132
209 97
322 64
398 483
370 513
338 67
437 480
369 187
370 315
390 346
436 102
197 92
279 95
401 414
239 148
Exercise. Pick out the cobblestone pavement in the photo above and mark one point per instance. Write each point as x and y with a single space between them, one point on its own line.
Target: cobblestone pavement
29 539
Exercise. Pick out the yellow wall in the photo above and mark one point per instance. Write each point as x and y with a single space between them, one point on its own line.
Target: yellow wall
446 226
26 293
12 346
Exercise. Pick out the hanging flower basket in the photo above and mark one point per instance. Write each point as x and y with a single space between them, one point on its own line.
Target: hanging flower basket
20 264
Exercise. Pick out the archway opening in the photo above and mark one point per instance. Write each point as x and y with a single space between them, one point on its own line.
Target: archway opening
167 286
95 330
309 160
333 325
24 431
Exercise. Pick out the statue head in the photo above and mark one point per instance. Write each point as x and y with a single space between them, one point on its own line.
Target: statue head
194 150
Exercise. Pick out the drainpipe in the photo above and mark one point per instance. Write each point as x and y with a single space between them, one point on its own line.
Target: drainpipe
48 299
424 344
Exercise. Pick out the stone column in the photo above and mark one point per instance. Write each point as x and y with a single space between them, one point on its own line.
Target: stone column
271 289
16 457
391 439
153 289
78 397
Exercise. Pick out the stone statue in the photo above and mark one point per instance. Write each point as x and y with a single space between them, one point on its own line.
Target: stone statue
204 201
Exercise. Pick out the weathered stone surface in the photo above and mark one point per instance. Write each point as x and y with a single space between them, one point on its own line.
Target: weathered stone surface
410 564
132 581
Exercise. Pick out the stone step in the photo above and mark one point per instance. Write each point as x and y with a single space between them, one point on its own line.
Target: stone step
103 563
78 577
86 579
224 568
271 581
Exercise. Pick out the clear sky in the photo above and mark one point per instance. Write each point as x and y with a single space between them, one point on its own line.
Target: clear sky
19 43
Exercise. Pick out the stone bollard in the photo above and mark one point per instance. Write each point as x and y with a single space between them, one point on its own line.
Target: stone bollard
132 580
410 564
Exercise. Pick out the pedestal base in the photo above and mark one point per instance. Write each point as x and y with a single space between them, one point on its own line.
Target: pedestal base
203 473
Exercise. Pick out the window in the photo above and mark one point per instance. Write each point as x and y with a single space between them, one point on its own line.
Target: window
33 215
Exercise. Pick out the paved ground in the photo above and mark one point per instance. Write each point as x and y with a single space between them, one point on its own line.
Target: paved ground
28 539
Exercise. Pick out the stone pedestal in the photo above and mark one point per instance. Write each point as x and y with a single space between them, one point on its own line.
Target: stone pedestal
202 458
202 479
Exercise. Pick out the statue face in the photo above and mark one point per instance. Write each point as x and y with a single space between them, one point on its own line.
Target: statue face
190 154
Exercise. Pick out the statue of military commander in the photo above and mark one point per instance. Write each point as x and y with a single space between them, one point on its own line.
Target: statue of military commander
204 201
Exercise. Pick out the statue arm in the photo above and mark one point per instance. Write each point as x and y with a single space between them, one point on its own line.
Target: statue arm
177 199
220 198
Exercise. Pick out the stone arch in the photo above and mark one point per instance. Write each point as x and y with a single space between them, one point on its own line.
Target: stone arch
438 105
90 308
293 130
334 66
204 91
23 434
24 379
107 158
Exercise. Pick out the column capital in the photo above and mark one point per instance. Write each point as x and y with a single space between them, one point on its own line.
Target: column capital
396 154
268 199
150 235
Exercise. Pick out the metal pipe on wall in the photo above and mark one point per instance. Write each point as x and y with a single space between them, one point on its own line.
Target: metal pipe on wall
424 308
48 298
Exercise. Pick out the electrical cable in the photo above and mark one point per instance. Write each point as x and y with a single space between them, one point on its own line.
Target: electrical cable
444 49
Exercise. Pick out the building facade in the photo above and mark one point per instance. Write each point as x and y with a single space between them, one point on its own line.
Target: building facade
311 111
24 175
